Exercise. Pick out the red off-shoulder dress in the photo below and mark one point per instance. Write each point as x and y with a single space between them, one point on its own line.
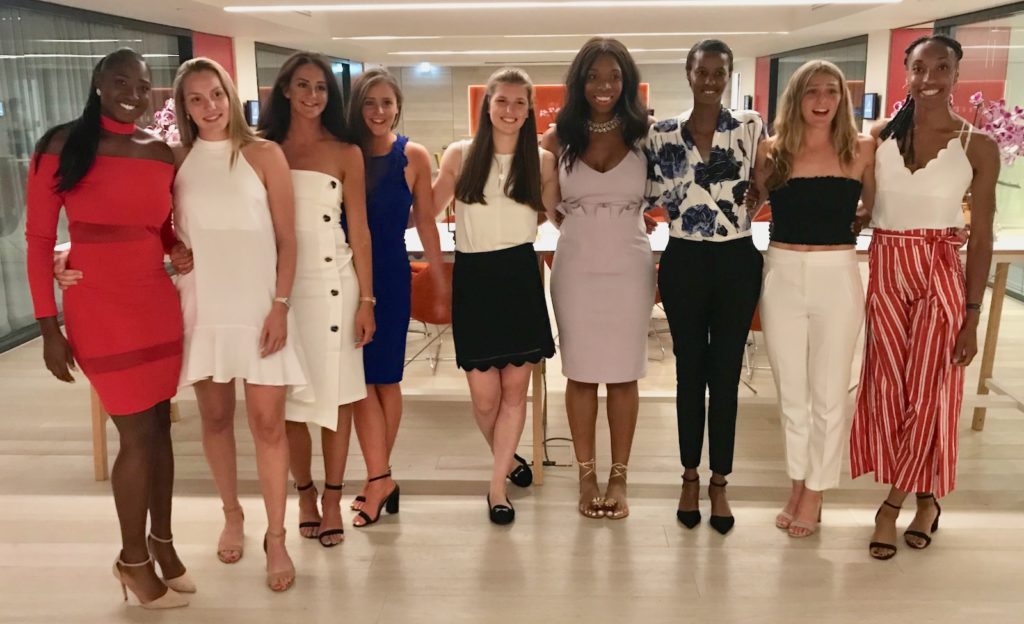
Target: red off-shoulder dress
123 319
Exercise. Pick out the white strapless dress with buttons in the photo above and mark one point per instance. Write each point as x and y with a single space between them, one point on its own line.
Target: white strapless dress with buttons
324 301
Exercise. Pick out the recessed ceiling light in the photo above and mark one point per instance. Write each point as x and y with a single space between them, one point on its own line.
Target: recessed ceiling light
505 52
534 4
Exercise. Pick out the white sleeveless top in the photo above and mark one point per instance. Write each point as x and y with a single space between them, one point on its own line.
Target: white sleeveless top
222 214
501 223
929 198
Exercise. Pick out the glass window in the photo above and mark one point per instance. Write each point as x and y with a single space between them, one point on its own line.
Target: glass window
46 61
269 60
851 57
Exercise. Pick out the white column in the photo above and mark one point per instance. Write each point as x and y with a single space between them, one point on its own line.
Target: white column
245 68
876 75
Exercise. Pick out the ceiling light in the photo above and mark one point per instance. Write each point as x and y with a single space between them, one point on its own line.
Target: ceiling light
654 34
386 37
503 52
534 4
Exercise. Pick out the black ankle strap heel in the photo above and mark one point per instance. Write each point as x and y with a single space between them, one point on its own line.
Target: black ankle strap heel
309 524
389 504
722 524
689 518
329 532
888 550
926 538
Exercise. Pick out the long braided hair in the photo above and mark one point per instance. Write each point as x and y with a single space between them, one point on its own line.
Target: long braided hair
901 126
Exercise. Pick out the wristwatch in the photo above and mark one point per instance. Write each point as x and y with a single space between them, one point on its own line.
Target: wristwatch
370 300
287 303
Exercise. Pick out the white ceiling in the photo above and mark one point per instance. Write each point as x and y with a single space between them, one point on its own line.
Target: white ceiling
488 30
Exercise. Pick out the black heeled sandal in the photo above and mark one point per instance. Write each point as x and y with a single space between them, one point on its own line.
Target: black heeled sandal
722 524
309 524
889 549
921 535
501 514
389 504
329 532
521 475
690 518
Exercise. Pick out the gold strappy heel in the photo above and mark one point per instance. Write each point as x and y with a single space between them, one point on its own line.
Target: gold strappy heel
595 509
612 509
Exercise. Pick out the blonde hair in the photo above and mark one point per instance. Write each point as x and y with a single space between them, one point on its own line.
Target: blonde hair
239 132
790 124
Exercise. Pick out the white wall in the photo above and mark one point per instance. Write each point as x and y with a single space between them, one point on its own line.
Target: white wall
437 112
876 75
245 68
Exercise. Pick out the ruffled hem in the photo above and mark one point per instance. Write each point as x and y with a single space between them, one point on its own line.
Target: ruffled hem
225 353
517 359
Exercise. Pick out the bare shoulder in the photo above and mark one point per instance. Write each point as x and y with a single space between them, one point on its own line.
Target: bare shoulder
262 148
549 140
417 153
866 144
983 150
547 159
153 147
877 127
53 141
180 152
765 147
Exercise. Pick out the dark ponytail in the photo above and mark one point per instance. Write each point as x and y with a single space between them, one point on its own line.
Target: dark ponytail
901 126
83 139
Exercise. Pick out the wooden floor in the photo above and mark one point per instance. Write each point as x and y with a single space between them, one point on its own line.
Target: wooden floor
440 560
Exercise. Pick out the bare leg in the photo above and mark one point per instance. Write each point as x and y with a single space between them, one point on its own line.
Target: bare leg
217 410
885 521
371 429
300 458
788 513
623 406
131 481
265 409
160 491
508 425
581 408
335 449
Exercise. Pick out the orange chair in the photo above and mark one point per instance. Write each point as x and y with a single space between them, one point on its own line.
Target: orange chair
425 309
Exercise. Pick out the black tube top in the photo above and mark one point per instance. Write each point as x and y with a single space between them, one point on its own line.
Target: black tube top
815 211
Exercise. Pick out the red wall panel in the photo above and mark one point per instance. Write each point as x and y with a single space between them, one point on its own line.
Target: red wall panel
216 47
762 76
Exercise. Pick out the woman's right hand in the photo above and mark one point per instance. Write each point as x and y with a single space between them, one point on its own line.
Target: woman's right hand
65 277
58 357
181 258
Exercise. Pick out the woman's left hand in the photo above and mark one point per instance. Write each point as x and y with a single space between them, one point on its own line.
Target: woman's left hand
365 324
274 334
966 346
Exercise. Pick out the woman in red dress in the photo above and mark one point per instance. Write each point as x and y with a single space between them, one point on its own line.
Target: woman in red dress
123 320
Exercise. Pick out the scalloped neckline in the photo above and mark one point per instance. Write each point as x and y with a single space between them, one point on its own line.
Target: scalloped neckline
938 155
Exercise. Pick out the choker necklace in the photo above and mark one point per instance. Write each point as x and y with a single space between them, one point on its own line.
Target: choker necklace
604 126
115 126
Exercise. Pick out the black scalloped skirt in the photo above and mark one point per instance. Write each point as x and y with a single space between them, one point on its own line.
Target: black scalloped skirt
499 314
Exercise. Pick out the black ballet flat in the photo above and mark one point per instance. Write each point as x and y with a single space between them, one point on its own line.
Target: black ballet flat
689 518
521 475
501 514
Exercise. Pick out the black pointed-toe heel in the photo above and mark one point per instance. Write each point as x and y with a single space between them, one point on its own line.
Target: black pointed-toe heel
329 532
921 535
722 524
689 518
389 504
888 550
309 524
521 475
501 514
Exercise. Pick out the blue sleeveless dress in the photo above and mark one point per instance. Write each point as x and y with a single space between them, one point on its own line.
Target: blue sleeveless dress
388 201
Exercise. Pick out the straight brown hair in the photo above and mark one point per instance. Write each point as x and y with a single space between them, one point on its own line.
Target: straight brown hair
523 183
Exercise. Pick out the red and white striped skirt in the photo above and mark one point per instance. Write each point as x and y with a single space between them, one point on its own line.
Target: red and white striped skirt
908 401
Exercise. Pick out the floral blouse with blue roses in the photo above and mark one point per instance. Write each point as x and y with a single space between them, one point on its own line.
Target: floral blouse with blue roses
703 199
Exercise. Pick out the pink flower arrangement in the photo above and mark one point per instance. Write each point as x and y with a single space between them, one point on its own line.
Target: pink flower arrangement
165 124
1003 124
